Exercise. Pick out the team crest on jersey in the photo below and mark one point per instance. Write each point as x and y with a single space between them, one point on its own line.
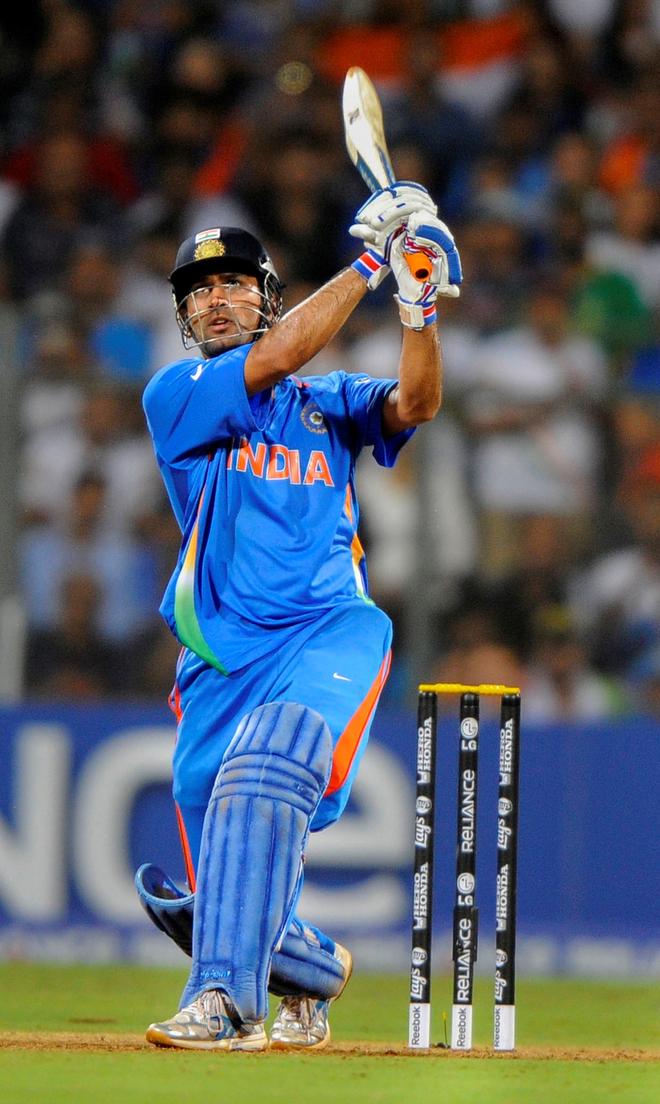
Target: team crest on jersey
312 418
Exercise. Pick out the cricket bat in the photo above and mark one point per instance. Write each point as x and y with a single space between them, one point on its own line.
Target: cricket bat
367 148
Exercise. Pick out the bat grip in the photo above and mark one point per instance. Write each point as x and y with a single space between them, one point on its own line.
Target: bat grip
419 265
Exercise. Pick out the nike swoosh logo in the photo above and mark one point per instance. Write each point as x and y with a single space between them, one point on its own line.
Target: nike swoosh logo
342 677
197 373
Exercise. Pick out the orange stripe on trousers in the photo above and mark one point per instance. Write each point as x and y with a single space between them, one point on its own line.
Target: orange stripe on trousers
349 741
185 846
174 702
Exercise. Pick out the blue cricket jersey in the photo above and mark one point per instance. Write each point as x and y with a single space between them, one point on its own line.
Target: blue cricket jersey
263 490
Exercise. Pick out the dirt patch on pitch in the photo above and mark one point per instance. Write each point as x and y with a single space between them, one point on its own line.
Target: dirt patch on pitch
552 1054
71 1040
113 1042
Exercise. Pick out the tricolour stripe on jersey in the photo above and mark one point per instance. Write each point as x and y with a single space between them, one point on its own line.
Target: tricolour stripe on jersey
357 551
187 624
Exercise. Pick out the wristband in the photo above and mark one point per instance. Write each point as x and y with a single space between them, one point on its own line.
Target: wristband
372 267
416 316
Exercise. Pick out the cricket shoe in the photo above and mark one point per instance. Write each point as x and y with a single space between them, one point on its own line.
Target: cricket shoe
302 1023
209 1023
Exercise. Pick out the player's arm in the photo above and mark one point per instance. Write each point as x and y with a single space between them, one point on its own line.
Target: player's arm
304 331
418 395
400 225
308 328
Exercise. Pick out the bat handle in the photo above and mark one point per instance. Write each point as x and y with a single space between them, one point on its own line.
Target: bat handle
419 265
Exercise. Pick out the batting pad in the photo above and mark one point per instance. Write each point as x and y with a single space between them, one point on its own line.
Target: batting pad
304 965
250 866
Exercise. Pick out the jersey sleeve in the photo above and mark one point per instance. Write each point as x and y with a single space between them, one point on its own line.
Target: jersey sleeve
191 405
364 398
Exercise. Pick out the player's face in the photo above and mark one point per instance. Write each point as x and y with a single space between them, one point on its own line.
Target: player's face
224 310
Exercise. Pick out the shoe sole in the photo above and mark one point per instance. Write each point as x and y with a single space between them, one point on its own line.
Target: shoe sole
282 1044
162 1039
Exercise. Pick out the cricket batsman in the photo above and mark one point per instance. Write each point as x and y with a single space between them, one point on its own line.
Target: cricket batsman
284 655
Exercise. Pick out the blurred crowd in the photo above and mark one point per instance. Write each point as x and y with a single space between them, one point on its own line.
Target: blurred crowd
128 124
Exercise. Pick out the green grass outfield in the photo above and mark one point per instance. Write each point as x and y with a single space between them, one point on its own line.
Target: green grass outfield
75 1035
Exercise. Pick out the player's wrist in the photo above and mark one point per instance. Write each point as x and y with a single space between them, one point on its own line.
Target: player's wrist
372 267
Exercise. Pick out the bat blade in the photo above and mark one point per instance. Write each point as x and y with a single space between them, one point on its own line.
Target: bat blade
367 148
364 130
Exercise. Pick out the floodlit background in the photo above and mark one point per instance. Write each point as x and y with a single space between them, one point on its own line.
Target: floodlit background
518 539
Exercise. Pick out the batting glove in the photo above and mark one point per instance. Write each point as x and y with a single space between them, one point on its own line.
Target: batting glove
429 237
433 238
386 211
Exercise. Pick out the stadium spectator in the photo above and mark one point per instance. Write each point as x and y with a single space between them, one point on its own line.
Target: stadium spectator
140 292
70 662
105 439
123 571
559 684
533 413
630 151
616 598
57 212
499 269
539 582
471 649
631 247
60 370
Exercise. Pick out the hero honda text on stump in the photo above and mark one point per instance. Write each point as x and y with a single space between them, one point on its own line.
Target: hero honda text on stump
465 914
504 1035
419 1028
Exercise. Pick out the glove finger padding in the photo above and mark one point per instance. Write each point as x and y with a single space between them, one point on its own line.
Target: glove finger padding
387 210
386 215
402 195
